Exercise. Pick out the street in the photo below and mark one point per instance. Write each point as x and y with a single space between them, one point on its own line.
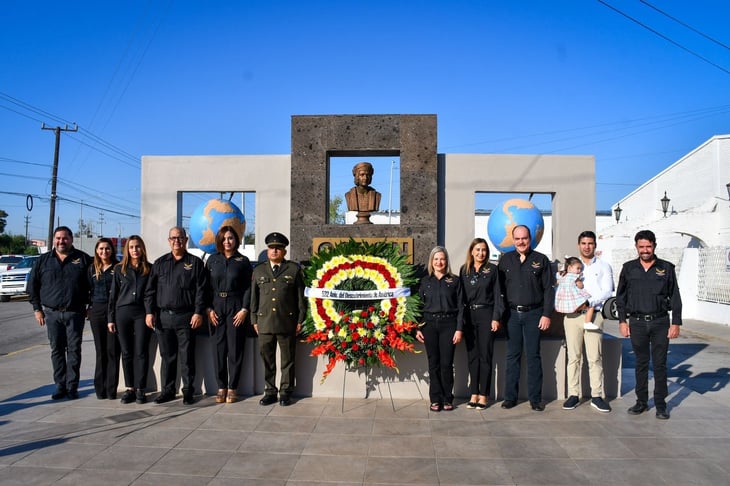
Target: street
18 328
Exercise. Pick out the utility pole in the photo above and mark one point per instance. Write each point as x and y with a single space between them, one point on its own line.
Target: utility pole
101 224
54 179
27 220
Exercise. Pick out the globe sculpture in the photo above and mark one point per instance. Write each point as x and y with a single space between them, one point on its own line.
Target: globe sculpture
208 218
509 214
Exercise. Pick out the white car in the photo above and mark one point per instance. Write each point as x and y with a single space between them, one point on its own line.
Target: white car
15 281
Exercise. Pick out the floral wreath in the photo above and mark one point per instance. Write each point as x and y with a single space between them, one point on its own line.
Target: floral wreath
361 310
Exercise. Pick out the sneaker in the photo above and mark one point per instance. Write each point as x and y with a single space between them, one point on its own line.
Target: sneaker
600 405
590 326
571 403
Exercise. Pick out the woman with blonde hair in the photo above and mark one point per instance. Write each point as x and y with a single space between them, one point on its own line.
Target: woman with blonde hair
443 313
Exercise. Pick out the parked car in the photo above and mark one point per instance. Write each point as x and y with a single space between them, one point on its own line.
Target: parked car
15 281
7 262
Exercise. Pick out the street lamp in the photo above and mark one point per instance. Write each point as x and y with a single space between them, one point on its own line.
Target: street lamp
727 186
617 212
665 203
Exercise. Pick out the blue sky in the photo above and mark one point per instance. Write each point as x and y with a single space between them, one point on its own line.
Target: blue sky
196 78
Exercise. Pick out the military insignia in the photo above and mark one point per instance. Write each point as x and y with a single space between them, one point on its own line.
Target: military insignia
238 259
661 272
76 262
288 278
449 280
485 270
536 265
187 266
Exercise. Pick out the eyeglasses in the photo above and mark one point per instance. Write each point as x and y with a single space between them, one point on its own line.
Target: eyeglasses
177 238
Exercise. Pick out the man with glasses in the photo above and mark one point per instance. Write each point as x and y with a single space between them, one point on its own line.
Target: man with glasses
278 308
175 304
59 293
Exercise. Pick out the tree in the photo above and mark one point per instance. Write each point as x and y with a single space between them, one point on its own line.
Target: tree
337 216
3 220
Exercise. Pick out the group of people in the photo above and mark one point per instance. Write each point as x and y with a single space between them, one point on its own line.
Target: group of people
127 301
520 294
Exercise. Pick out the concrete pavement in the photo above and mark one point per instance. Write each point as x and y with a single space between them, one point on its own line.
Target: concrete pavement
374 441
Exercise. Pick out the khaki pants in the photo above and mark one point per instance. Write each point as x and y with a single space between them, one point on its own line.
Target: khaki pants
575 338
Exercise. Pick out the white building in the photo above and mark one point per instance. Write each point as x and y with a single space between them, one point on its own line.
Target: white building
694 235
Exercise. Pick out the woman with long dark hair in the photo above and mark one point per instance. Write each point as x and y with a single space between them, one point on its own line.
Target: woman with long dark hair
483 310
443 313
230 286
106 371
127 317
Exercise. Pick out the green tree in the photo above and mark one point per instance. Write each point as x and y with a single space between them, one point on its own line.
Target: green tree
336 214
12 244
3 220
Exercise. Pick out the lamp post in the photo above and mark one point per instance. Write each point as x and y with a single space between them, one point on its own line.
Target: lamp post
665 203
727 187
617 212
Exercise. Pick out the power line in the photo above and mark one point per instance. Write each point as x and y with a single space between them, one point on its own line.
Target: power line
696 31
677 44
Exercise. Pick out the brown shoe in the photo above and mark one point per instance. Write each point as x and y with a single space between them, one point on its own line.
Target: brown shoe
232 398
221 396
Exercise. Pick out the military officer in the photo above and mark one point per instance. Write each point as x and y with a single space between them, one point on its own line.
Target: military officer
278 308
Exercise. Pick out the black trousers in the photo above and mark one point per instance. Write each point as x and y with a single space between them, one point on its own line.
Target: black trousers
651 339
134 338
287 345
106 371
230 342
479 340
438 335
177 344
65 330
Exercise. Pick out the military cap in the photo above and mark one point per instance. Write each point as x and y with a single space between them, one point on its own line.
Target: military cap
276 239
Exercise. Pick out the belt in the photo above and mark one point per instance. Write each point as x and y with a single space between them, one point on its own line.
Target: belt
441 315
525 308
230 293
58 309
648 317
174 312
478 306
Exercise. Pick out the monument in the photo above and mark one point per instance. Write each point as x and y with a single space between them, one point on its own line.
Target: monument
362 198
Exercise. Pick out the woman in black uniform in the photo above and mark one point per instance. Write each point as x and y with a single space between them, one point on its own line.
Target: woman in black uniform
106 372
443 312
483 310
127 317
230 285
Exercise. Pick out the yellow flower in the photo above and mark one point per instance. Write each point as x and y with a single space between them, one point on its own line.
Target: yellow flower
378 334
342 332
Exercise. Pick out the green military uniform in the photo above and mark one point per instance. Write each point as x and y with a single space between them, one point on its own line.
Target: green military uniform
277 307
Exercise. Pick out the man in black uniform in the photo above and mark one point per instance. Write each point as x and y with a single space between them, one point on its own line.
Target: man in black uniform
278 309
59 293
175 297
527 282
647 291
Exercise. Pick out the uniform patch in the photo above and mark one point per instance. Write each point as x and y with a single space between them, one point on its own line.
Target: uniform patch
536 265
187 266
660 272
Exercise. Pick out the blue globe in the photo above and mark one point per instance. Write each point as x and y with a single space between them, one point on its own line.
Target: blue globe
208 218
509 214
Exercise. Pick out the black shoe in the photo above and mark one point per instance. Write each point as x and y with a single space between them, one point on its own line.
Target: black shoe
73 394
188 397
112 396
599 404
59 394
127 396
141 397
537 406
165 397
268 400
101 396
661 413
571 403
638 408
509 404
285 401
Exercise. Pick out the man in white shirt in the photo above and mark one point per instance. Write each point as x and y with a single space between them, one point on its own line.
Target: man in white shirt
597 281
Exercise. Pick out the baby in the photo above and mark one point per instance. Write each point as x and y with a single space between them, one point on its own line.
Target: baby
570 297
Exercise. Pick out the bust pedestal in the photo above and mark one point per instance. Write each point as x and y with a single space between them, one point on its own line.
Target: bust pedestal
363 217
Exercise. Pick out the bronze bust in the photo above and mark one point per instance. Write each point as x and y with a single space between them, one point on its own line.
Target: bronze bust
363 198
